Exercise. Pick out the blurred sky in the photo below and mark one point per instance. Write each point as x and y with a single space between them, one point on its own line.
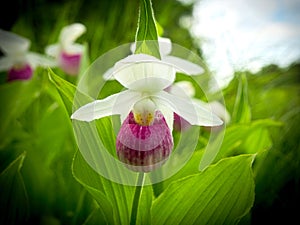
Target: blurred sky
247 34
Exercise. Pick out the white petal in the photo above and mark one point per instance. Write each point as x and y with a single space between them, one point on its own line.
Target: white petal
5 63
108 75
70 33
74 49
183 89
134 58
11 43
53 50
194 113
168 114
132 47
117 104
144 73
36 59
165 46
183 65
220 111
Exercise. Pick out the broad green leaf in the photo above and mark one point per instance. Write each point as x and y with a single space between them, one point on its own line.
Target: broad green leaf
114 199
145 203
92 183
13 195
242 110
146 35
190 168
222 194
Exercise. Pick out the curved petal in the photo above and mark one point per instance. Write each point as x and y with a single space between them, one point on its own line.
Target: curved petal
53 50
167 113
108 75
117 104
5 63
144 73
165 46
11 43
74 49
194 113
70 33
182 88
183 65
36 59
220 111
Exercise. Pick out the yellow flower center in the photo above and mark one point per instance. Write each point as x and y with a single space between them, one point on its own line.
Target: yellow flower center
144 112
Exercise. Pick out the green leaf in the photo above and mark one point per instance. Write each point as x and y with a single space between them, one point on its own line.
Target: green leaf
66 91
144 208
146 35
222 194
247 138
92 183
96 217
114 199
242 110
65 88
13 195
190 168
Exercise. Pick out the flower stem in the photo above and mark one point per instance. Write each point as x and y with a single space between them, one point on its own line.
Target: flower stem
136 198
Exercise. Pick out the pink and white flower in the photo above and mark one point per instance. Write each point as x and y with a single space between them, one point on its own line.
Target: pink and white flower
67 53
18 60
146 110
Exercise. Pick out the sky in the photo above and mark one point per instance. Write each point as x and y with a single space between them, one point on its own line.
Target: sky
247 34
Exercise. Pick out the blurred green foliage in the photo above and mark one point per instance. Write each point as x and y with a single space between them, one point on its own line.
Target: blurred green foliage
37 143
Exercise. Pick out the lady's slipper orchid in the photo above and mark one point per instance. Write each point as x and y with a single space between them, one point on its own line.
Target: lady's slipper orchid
146 110
18 60
67 53
165 48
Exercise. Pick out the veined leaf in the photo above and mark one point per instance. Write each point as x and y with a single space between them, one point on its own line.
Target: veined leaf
222 194
13 195
92 183
144 207
146 35
114 200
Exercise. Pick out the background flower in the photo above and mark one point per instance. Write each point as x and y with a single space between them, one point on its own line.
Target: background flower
18 60
67 53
